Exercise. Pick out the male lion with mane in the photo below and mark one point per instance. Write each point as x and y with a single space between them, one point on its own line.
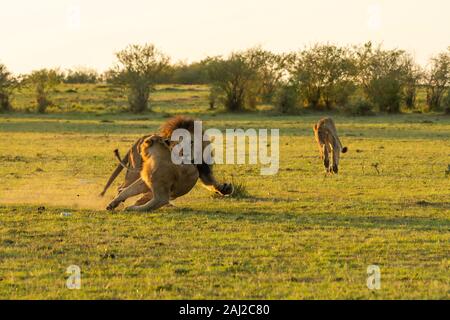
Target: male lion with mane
328 141
133 161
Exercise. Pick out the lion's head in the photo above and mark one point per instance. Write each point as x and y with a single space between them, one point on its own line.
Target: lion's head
155 144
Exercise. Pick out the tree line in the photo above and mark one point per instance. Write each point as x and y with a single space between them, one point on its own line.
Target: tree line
360 79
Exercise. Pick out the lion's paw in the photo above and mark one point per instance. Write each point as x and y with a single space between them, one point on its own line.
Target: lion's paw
112 206
226 189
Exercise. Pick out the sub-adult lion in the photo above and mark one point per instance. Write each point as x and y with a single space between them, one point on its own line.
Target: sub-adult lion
133 160
328 141
165 180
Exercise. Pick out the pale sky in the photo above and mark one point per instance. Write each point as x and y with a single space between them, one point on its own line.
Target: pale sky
70 33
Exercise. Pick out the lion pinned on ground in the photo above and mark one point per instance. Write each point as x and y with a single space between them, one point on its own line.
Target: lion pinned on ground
133 161
160 179
329 144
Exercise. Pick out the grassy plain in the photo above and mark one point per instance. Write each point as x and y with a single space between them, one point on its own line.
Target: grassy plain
298 234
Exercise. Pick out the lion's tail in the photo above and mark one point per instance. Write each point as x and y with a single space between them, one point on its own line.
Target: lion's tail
114 175
343 149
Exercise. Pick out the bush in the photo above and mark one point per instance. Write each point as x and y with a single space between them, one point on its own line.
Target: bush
446 102
235 79
383 74
43 81
361 108
240 190
271 71
386 93
194 73
413 77
410 95
342 91
286 99
213 97
81 75
139 68
438 79
7 84
324 75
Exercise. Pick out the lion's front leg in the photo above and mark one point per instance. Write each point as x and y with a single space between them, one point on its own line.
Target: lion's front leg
144 199
209 181
153 204
161 198
134 189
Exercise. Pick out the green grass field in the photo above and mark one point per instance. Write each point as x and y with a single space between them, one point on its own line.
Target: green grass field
298 234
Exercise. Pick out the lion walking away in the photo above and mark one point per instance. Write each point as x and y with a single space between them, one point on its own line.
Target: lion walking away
329 144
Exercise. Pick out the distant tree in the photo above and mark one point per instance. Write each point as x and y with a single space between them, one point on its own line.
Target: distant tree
324 74
194 73
7 84
272 69
446 102
213 97
235 79
438 79
43 81
81 75
360 107
286 98
109 76
382 74
139 68
413 78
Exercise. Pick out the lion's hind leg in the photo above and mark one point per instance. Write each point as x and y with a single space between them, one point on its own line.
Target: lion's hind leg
326 157
335 154
134 189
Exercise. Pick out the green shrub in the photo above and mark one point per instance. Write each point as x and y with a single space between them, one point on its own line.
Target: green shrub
361 108
139 68
386 93
286 99
213 97
7 83
240 191
44 81
383 74
324 75
81 75
234 79
446 101
438 79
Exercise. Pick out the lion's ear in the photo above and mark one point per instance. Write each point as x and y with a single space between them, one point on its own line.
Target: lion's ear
149 142
167 141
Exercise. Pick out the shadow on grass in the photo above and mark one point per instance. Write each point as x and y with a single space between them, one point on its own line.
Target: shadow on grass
424 203
307 220
325 220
